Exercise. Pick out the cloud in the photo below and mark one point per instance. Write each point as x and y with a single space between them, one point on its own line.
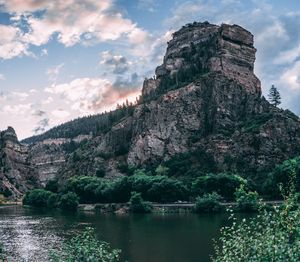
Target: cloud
20 109
70 22
20 95
11 43
54 71
92 95
148 5
41 126
2 77
60 113
291 77
44 52
117 63
38 112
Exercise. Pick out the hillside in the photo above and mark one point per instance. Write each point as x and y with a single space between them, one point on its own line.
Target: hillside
202 112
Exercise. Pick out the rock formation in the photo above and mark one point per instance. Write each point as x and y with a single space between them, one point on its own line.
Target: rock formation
16 173
205 96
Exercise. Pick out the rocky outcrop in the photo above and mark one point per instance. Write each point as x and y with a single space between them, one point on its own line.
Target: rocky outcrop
211 48
205 96
16 173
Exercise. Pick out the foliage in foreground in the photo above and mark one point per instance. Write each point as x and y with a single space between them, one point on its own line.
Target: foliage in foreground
209 203
271 236
85 247
138 205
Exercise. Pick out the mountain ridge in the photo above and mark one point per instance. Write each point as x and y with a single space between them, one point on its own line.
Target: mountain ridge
203 103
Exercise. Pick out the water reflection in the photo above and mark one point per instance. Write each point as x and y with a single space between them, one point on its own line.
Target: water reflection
29 234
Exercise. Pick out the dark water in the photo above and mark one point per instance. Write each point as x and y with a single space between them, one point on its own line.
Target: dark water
29 234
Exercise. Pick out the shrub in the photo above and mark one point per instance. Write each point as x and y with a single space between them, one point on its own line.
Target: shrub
181 164
1 199
37 198
118 190
167 190
52 185
280 176
162 170
137 204
7 192
85 247
270 236
247 201
53 201
142 183
87 188
69 201
224 184
100 172
209 203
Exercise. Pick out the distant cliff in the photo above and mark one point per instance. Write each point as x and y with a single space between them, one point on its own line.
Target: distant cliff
16 173
204 98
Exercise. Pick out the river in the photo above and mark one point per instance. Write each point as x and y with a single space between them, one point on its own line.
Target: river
28 234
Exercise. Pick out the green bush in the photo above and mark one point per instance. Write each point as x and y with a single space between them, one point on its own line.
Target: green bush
280 176
142 183
208 203
162 171
224 184
1 199
118 191
87 188
198 161
37 198
100 172
138 205
167 190
53 201
85 247
52 185
69 201
270 236
152 188
7 193
246 201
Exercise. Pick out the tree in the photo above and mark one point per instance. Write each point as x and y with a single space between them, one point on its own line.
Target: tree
209 203
274 96
69 201
138 205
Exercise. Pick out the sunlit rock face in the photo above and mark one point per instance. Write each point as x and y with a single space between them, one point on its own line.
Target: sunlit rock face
227 48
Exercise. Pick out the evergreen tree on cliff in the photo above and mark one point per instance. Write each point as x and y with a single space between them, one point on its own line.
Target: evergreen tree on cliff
274 96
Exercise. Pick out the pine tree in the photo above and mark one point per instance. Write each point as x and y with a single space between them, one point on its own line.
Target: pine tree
274 96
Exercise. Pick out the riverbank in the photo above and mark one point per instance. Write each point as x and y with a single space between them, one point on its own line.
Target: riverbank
122 208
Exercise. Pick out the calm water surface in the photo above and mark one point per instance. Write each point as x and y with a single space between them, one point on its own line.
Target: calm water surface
28 234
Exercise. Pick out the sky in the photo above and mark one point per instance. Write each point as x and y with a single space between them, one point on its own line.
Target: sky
63 59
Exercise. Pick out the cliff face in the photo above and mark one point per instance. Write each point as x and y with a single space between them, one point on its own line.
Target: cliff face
205 96
16 173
